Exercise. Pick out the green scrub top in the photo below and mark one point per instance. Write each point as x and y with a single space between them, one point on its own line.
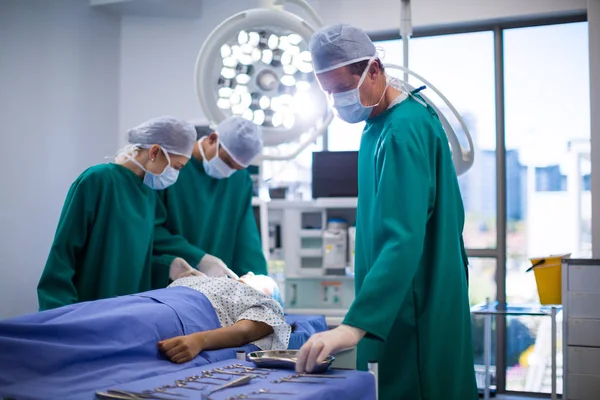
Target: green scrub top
210 216
411 288
103 243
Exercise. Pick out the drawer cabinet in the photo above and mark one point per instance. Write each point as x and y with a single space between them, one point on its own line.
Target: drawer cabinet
581 329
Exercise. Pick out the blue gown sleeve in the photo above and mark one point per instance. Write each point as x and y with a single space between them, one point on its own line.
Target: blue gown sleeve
168 246
248 255
399 214
56 287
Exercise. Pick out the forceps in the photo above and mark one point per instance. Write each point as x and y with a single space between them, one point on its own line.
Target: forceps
269 391
246 367
282 380
124 394
249 370
222 371
244 380
316 376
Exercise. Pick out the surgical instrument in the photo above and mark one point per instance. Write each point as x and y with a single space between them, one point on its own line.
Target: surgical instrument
282 380
139 395
244 380
269 391
316 376
246 367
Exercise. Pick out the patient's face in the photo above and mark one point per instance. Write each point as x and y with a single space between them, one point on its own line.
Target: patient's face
262 283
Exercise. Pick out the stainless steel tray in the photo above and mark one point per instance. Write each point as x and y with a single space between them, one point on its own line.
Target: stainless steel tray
284 359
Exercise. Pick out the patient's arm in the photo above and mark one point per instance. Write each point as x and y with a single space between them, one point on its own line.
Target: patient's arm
182 349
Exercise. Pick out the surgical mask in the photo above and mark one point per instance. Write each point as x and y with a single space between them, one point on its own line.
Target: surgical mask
347 104
158 181
215 168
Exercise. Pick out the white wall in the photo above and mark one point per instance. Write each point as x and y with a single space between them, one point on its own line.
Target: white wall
59 103
158 55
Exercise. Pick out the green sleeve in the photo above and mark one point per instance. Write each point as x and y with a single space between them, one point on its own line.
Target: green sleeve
56 287
168 246
399 218
249 254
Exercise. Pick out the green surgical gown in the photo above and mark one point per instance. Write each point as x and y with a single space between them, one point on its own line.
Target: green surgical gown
210 216
411 289
103 244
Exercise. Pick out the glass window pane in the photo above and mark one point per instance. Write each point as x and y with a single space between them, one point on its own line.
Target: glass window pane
528 354
462 68
482 286
547 139
482 280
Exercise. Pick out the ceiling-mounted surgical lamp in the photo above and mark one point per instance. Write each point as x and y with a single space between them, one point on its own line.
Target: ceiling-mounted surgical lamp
256 64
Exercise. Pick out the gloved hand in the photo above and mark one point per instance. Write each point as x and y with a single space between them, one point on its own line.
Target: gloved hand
215 268
180 269
321 345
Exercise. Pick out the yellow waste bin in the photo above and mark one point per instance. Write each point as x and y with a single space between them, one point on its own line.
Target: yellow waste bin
548 277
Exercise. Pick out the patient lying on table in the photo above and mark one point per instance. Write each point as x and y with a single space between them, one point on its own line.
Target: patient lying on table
119 336
249 310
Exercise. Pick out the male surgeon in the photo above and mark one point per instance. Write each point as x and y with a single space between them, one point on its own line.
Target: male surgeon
411 311
209 217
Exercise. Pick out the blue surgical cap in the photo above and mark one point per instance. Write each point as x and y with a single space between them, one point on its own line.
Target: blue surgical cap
339 45
276 295
173 135
241 138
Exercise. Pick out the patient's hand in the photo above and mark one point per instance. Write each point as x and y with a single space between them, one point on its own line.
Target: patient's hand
182 349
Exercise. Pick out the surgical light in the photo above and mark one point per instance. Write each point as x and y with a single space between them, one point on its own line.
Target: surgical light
252 65
259 117
248 114
264 102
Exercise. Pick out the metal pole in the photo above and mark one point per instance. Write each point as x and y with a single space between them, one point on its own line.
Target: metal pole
487 345
405 32
553 353
373 368
500 211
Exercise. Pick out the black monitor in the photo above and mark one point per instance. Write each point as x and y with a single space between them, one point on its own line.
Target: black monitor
335 174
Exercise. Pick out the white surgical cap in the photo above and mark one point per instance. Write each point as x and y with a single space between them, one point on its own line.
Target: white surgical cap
339 45
173 135
241 138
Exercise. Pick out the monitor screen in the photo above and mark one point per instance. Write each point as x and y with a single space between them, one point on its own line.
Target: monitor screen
335 174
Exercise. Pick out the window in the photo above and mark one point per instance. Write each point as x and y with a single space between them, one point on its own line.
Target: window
482 280
462 67
547 140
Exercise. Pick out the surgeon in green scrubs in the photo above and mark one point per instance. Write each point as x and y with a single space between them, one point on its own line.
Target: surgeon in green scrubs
103 244
411 310
209 217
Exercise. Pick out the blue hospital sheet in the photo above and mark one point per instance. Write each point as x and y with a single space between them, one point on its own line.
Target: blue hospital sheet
65 352
357 385
305 327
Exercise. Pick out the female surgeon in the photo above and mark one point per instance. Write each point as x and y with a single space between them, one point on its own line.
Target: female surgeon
103 243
